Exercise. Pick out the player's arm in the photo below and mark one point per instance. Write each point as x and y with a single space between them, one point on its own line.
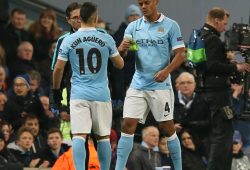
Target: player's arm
117 61
124 46
179 58
58 73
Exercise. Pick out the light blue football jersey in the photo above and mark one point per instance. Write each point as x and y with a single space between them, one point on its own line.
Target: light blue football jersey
156 41
88 51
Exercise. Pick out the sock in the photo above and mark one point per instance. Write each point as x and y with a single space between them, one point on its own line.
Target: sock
104 153
124 147
175 151
79 152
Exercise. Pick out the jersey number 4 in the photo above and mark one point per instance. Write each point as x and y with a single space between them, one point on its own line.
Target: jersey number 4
92 52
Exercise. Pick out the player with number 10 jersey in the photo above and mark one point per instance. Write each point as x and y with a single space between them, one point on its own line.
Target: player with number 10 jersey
88 51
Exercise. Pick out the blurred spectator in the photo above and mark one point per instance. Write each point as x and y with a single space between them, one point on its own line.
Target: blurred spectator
32 122
120 79
146 156
164 152
44 31
44 68
54 147
24 63
3 85
6 130
2 57
3 100
240 161
21 102
192 156
14 34
22 149
35 81
53 120
240 123
101 24
7 159
4 15
190 109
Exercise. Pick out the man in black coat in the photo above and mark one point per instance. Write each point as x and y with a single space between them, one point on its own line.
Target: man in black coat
216 89
191 111
14 34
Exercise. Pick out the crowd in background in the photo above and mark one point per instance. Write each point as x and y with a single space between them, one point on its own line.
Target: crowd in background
35 136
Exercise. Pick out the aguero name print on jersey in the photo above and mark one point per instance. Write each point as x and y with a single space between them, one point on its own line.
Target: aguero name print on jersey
88 51
87 39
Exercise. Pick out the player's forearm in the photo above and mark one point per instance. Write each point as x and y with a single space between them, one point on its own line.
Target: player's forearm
179 58
57 77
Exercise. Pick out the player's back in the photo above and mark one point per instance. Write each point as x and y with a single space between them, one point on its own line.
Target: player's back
88 51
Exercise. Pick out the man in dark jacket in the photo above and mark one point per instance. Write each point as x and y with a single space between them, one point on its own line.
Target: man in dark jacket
14 34
54 148
191 111
146 156
216 89
7 159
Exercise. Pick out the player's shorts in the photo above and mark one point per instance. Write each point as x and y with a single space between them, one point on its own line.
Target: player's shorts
138 103
86 115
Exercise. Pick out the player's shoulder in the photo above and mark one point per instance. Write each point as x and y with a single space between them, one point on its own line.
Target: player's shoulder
101 31
64 34
169 21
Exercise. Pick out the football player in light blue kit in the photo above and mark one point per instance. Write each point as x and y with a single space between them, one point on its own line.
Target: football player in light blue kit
88 51
156 35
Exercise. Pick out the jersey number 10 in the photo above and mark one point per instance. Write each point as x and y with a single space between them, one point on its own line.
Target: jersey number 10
91 53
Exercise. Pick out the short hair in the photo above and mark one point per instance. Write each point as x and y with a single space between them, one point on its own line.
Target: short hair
186 74
17 10
22 130
54 130
145 130
35 75
87 10
218 13
73 6
20 46
31 116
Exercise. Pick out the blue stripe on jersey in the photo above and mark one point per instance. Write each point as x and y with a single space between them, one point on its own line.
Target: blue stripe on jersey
156 41
58 44
88 52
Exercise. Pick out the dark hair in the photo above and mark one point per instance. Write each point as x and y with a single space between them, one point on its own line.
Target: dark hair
17 10
87 10
73 6
54 130
31 116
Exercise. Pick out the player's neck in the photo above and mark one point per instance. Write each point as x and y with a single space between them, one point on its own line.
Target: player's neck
154 17
87 25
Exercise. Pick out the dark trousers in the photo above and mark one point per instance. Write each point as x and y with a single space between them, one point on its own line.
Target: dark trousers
220 154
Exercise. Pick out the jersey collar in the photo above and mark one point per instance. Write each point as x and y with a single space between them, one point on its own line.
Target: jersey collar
87 29
159 20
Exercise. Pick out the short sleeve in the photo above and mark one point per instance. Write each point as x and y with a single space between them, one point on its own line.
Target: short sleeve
176 38
64 50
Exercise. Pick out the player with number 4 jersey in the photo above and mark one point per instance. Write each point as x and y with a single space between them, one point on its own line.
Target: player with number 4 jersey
88 51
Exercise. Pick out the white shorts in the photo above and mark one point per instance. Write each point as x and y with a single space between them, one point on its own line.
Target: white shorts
138 103
86 115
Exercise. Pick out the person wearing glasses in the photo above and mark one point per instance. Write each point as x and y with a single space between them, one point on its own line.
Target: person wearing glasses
191 110
88 51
